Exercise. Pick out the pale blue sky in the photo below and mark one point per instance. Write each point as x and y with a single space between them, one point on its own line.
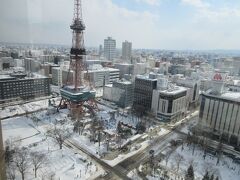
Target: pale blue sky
159 24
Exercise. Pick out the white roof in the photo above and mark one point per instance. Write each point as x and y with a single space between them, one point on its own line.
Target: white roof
145 77
174 90
231 95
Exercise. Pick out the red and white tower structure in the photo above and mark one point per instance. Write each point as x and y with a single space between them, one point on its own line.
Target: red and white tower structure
75 93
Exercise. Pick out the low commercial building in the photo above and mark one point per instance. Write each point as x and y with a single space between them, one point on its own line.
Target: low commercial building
6 63
96 77
19 62
124 68
102 76
177 69
194 89
140 68
61 74
32 65
219 115
169 104
91 63
120 92
113 74
17 86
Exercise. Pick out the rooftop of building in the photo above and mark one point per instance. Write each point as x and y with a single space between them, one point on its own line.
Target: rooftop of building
108 85
228 95
186 82
15 75
172 90
5 77
145 77
103 69
123 81
231 95
123 64
93 60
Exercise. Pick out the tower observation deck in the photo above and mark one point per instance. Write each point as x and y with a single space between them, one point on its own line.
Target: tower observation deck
75 93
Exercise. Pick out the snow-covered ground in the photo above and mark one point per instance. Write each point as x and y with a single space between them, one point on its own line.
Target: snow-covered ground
64 164
23 109
226 169
122 157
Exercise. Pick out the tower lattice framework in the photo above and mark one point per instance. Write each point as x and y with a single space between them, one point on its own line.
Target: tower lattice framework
74 93
78 51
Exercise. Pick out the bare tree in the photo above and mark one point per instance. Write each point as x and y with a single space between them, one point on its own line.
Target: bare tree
96 126
59 133
179 158
11 147
37 160
11 171
21 160
190 173
35 120
168 156
79 127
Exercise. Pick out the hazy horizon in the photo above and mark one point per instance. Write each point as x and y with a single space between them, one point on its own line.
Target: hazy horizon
148 24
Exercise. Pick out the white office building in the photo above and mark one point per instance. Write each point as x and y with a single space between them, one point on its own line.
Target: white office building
109 48
169 102
102 76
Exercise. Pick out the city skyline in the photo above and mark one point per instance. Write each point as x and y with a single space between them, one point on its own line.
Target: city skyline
161 24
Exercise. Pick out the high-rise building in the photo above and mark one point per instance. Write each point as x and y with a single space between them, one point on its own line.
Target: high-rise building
100 51
143 91
109 48
126 50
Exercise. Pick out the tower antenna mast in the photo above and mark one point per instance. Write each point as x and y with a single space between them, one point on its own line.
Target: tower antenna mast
78 51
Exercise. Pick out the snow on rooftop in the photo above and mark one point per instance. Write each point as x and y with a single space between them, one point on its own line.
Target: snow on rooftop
174 90
145 77
4 77
231 95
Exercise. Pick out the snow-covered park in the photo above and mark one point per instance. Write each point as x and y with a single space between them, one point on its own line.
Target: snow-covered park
30 130
176 162
62 163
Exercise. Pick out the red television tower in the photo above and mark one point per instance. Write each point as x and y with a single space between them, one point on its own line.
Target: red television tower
75 94
78 50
